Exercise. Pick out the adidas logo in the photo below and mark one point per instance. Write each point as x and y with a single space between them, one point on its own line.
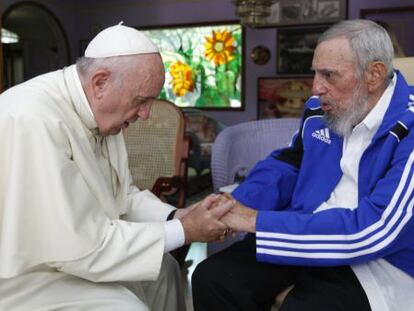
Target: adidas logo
322 135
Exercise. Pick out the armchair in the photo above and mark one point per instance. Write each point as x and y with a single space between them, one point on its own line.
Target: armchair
236 150
157 153
406 66
239 147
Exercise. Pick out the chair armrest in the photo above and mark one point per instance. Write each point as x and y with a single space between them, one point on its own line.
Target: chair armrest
170 185
228 188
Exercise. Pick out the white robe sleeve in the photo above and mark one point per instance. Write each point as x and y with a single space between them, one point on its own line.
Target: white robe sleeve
145 206
125 255
139 205
52 212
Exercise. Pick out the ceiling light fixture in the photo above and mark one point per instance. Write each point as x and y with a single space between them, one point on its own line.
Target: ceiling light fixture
253 13
8 37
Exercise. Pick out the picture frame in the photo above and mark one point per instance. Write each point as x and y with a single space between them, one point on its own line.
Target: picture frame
282 97
295 47
397 21
203 64
306 12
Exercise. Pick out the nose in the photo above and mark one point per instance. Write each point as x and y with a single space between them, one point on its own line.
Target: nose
318 86
144 111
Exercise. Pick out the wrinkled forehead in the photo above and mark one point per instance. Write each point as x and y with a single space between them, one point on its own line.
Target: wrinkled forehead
146 76
334 53
337 49
147 65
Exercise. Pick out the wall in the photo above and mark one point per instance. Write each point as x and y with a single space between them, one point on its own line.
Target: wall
63 10
167 12
80 18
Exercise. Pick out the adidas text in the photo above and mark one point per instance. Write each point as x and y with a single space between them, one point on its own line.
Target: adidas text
322 135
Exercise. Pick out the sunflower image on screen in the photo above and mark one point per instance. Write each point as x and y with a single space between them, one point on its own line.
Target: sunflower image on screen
202 64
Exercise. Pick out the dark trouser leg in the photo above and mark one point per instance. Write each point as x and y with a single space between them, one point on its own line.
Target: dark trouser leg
234 280
326 289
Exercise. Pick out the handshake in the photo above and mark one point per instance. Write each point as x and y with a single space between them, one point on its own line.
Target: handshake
214 218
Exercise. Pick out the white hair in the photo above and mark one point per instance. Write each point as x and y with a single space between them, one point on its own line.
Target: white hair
368 41
119 66
87 66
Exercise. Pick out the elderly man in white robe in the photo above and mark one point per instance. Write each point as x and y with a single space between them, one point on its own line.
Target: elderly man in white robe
74 233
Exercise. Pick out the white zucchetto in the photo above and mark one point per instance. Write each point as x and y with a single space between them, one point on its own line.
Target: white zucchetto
119 40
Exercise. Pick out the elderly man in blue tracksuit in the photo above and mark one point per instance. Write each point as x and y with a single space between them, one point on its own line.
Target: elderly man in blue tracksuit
332 214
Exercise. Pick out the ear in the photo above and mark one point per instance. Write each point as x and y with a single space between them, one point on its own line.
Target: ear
375 76
99 83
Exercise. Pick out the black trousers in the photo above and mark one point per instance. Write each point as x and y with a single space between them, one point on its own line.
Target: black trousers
234 280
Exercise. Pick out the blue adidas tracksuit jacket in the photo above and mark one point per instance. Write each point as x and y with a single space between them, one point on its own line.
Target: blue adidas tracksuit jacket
291 183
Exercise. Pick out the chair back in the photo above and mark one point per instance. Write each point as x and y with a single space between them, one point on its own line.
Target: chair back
406 66
158 154
238 148
156 146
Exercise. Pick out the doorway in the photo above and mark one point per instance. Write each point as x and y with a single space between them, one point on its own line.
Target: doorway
42 44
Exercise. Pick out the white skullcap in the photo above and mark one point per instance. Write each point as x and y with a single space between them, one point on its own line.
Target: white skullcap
119 40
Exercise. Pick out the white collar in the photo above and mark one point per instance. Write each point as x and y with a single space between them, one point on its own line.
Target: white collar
80 102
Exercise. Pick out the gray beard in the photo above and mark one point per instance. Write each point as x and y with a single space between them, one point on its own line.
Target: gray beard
345 122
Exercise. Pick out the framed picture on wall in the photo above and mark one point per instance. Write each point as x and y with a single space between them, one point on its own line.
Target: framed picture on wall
203 65
295 48
305 12
397 21
282 97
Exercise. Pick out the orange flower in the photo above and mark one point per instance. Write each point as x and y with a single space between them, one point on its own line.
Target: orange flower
182 78
219 48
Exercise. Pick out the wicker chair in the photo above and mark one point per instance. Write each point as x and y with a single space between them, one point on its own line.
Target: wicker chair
236 150
158 152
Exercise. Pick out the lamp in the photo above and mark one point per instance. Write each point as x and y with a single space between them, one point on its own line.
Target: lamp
8 36
253 13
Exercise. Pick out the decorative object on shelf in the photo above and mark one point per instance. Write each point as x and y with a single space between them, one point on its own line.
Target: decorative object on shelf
253 13
260 55
282 97
295 48
203 64
301 12
397 21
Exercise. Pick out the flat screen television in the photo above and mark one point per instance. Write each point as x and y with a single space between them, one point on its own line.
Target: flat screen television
203 65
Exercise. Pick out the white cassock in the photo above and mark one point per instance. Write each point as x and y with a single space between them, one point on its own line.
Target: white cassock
70 237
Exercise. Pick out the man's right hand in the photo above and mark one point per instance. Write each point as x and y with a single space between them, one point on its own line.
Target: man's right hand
202 224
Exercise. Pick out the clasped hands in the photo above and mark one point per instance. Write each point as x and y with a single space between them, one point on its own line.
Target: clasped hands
215 217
